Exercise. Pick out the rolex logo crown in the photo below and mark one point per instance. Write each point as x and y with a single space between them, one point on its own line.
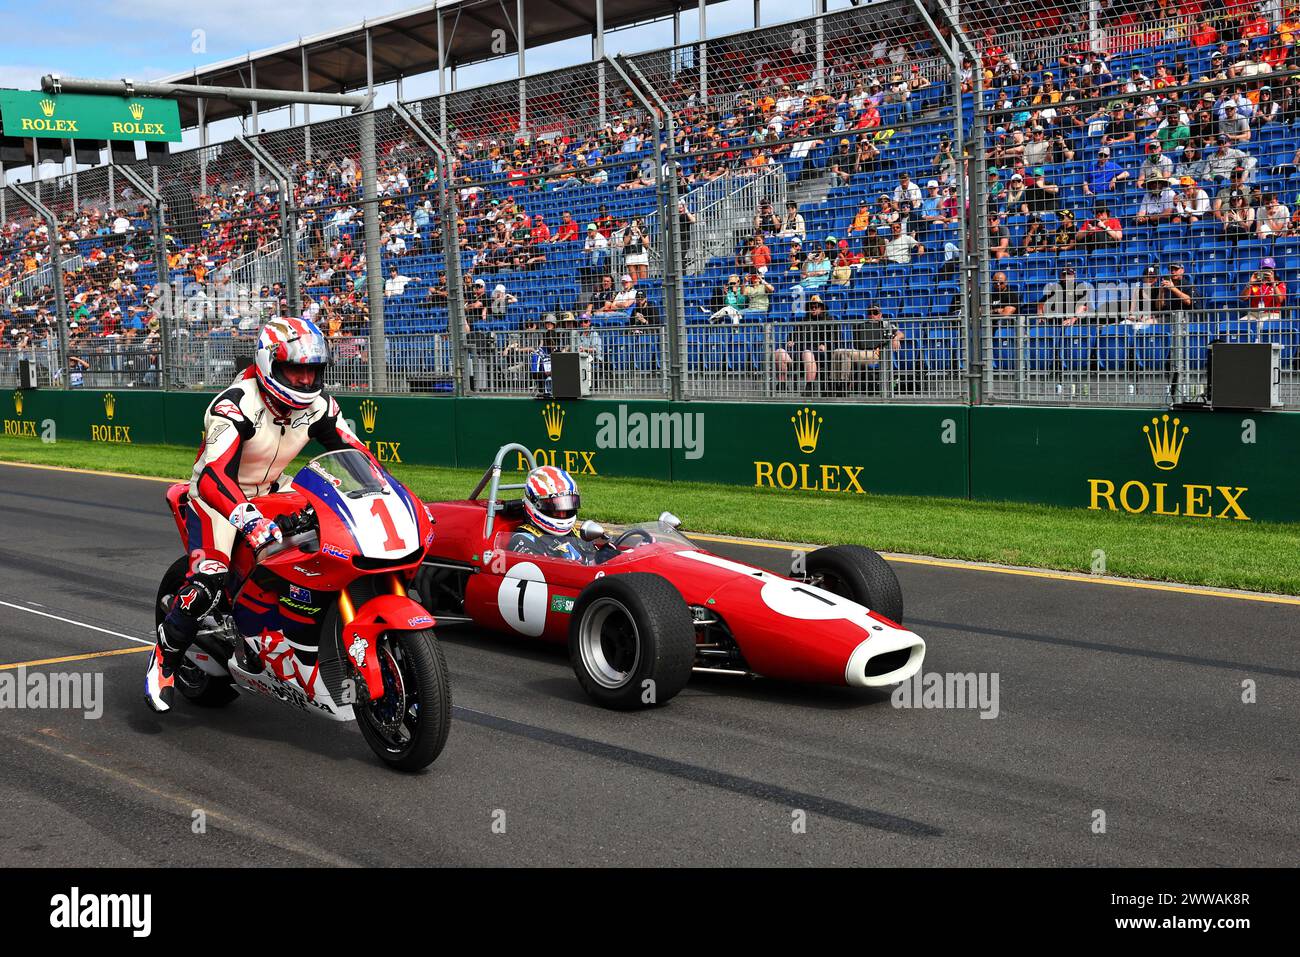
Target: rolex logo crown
369 412
553 416
807 427
137 111
47 107
110 404
1165 441
18 403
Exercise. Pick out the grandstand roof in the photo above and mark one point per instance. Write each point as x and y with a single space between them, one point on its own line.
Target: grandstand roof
406 44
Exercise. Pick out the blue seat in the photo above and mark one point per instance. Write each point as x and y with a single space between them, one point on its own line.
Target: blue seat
1287 334
910 350
1041 347
1004 348
942 347
1077 344
1151 348
1115 347
1238 330
1199 335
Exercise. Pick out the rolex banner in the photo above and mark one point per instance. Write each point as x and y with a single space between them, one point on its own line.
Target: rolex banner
1212 466
1224 467
75 116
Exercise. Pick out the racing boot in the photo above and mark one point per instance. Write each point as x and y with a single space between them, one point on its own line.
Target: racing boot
159 676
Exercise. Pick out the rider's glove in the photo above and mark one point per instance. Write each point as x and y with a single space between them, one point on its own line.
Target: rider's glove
257 529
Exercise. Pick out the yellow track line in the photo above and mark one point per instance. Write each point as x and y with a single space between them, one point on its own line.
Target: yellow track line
907 559
58 661
1030 572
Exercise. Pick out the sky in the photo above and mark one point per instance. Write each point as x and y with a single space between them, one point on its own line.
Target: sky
149 39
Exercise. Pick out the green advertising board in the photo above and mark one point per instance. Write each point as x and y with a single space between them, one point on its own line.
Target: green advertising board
29 414
1220 466
78 116
403 430
829 447
1232 466
581 436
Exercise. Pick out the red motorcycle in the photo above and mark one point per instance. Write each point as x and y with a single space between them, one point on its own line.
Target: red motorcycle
322 620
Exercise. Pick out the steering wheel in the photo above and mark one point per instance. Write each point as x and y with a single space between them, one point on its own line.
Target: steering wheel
629 539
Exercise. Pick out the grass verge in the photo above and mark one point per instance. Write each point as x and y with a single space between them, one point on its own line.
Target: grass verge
1256 556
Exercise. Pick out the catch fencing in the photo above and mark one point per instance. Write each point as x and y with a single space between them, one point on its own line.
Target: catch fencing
802 209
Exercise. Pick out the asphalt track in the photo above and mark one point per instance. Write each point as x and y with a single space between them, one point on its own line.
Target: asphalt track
1116 699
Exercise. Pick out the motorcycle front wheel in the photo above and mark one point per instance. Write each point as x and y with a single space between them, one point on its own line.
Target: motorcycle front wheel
407 727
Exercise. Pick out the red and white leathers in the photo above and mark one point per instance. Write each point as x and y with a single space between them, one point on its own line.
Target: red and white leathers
246 447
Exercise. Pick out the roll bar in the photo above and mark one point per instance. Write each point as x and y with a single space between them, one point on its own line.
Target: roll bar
492 479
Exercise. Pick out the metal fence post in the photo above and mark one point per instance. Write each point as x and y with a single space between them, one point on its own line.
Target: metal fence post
288 219
674 298
374 251
56 273
161 267
450 240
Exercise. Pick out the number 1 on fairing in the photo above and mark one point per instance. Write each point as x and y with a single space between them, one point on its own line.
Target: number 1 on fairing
379 509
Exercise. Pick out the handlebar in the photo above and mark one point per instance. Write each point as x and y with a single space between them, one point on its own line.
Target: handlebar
300 521
291 525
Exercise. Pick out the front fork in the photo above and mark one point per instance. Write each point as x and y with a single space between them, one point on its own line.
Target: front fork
390 610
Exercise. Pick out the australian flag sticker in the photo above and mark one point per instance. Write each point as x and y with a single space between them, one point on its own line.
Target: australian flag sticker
300 594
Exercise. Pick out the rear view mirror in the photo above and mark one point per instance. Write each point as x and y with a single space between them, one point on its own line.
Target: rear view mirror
590 531
668 518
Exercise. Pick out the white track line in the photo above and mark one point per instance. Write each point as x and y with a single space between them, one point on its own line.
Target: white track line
79 624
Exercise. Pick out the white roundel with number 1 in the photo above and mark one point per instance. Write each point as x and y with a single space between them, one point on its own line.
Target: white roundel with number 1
383 526
521 599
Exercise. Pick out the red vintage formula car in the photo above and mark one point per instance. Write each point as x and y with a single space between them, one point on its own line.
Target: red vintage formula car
657 607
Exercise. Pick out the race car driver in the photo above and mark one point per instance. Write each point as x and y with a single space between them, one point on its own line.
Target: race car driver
551 511
251 432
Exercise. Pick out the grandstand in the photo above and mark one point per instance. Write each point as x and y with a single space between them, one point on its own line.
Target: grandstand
1048 272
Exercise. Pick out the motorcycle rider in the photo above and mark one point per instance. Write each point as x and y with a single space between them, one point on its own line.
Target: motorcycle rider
251 432
551 509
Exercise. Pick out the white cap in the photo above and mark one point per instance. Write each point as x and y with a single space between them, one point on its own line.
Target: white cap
933 184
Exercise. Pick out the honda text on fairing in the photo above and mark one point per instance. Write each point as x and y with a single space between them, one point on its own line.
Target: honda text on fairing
321 619
642 609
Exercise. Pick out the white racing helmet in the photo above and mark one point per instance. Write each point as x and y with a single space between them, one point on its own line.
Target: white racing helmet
289 341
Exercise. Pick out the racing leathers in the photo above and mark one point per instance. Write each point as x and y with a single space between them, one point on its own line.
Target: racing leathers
531 540
246 447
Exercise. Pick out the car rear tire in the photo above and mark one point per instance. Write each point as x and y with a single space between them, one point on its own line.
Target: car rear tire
631 641
858 574
194 684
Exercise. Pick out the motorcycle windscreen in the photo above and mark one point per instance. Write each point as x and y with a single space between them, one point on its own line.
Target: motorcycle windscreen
375 509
